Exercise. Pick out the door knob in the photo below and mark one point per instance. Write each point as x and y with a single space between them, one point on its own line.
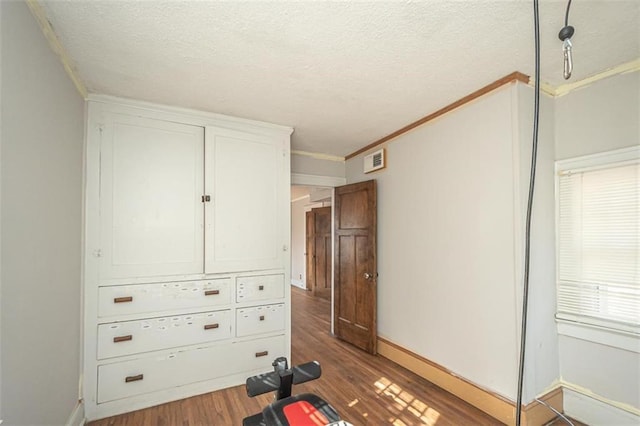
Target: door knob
367 276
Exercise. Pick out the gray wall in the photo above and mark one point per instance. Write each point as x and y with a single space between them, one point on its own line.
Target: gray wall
601 117
41 222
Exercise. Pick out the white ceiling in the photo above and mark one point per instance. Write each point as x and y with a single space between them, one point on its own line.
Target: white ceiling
343 74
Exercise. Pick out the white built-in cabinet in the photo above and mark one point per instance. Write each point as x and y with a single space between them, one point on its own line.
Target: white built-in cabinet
186 253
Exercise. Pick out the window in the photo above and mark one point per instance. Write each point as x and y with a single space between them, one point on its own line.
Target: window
598 206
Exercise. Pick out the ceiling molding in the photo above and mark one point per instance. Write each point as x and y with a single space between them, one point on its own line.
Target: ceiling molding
44 24
513 77
316 180
558 91
318 156
293 200
545 88
620 69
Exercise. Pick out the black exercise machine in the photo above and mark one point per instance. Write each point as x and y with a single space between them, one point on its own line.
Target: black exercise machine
286 410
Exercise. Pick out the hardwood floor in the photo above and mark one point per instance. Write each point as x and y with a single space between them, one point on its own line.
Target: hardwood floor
364 389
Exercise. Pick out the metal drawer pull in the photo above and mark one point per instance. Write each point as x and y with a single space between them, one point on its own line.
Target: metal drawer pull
263 353
261 317
134 378
122 338
123 299
210 326
211 292
260 287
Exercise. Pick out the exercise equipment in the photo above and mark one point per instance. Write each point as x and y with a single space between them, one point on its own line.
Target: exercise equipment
286 410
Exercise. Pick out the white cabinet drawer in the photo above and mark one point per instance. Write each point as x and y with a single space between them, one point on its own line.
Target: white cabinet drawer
260 319
131 337
260 287
146 298
257 355
153 373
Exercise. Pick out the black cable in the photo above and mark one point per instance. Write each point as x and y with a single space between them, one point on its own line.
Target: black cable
566 31
566 15
527 235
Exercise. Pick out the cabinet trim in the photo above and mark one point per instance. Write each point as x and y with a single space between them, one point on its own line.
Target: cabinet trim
183 115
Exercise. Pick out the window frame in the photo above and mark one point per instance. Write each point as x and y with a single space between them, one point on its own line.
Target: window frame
591 329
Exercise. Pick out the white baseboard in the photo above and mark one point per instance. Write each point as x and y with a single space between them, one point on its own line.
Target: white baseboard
77 415
591 411
298 283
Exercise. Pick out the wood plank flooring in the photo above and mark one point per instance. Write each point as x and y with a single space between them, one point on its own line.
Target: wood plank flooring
364 389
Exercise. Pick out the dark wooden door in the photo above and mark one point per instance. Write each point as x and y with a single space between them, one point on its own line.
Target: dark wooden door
319 252
355 265
310 250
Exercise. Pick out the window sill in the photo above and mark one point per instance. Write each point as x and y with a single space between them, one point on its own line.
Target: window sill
628 341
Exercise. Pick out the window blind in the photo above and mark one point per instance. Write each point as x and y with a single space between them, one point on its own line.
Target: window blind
598 278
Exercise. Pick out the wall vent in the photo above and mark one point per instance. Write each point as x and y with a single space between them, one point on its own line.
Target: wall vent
374 161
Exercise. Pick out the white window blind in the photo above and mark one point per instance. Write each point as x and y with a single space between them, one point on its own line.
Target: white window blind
598 278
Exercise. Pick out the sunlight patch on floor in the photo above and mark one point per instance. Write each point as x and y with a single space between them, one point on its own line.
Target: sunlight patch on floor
405 403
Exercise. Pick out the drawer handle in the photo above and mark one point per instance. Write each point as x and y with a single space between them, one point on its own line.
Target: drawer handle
211 292
210 326
261 317
122 338
123 299
260 287
134 378
263 353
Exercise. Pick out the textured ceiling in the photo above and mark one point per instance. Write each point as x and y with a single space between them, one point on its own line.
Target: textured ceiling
343 74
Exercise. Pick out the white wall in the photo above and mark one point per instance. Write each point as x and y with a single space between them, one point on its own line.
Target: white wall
41 187
541 356
298 241
600 117
313 166
450 239
449 257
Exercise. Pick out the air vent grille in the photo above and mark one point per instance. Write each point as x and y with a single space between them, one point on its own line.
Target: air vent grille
374 161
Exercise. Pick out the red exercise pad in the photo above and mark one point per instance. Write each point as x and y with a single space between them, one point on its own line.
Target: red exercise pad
302 413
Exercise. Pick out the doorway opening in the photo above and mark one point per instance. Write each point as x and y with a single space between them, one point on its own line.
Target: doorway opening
346 253
312 240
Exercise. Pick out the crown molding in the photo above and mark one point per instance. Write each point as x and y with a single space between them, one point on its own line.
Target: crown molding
620 69
563 89
316 180
516 76
38 13
511 78
318 156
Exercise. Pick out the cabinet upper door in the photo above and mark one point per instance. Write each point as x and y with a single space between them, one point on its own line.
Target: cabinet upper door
246 177
151 184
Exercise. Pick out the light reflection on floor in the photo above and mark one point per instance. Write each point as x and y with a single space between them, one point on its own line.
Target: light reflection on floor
405 403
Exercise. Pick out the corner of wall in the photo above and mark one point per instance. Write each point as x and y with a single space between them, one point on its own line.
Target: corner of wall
76 418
